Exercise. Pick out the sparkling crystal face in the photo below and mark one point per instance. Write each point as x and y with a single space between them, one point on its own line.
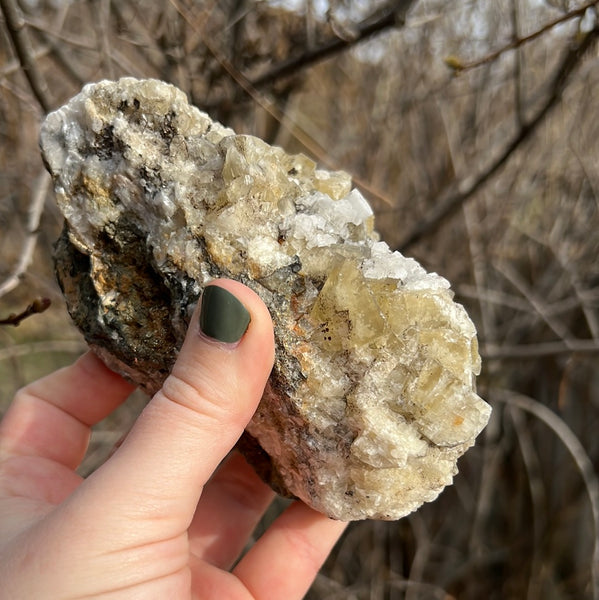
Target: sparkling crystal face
371 400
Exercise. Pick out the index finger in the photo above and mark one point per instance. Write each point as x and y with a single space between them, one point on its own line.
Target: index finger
51 418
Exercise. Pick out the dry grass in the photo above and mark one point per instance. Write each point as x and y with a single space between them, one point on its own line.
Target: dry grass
520 248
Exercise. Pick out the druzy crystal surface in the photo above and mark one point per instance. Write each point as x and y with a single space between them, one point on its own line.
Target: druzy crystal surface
371 400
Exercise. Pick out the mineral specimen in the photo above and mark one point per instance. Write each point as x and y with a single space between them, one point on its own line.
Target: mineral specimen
371 400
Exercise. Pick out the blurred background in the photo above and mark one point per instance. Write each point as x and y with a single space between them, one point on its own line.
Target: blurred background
472 127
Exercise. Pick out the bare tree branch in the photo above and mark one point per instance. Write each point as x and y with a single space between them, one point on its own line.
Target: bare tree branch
538 495
392 16
53 40
15 25
12 66
534 351
521 41
514 302
579 455
39 305
35 212
518 97
463 190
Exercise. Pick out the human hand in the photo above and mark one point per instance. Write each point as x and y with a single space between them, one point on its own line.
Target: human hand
153 521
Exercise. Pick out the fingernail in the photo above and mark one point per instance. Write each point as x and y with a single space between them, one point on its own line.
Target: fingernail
222 316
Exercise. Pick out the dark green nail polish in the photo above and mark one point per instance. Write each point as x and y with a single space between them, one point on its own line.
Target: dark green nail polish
222 316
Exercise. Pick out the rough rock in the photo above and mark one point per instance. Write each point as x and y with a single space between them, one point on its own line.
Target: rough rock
372 398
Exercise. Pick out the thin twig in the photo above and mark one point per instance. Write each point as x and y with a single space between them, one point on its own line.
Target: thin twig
556 325
12 66
129 18
538 497
100 12
517 42
40 25
518 96
578 453
52 41
518 303
422 554
463 190
24 96
494 453
15 24
491 296
25 256
479 270
533 351
63 60
570 269
39 305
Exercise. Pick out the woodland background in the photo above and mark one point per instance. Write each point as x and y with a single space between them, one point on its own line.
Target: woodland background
473 129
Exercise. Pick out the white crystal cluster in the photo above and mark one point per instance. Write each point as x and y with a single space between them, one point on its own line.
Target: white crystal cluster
372 399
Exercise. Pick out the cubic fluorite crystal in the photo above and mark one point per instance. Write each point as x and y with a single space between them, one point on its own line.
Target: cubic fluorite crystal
371 400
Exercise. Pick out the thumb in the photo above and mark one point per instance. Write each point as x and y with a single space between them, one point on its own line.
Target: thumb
200 412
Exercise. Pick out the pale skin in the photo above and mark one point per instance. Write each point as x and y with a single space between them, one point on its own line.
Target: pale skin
160 519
